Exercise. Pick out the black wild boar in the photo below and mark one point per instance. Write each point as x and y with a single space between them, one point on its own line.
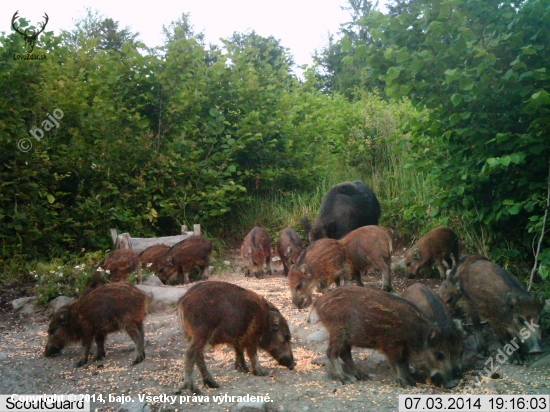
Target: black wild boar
191 253
370 247
437 245
219 312
107 309
488 292
370 318
256 251
116 267
346 207
434 308
321 264
152 258
289 248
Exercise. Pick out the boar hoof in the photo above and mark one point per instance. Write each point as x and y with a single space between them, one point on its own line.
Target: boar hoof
192 388
387 289
241 368
139 359
80 363
345 379
260 371
211 383
404 382
362 376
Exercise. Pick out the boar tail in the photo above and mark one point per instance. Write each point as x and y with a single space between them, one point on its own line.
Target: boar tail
181 318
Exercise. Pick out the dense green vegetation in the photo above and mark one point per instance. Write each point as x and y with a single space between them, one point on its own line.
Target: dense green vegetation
442 107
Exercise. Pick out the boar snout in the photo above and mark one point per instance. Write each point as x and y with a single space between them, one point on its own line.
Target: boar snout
438 379
52 351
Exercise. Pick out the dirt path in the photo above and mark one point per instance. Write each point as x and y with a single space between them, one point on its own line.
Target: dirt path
24 370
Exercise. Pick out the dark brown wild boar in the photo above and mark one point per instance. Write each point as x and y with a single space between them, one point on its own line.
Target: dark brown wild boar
152 257
289 248
370 247
370 318
346 207
256 251
434 308
219 312
320 265
191 253
437 245
116 267
107 309
488 292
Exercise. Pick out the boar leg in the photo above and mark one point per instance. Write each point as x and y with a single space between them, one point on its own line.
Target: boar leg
268 265
385 268
100 343
240 363
357 276
336 369
186 278
345 355
481 344
191 356
207 379
136 333
257 369
441 267
401 367
86 345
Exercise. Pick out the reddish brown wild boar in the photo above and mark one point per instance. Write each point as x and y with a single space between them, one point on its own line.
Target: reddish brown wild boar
488 292
219 312
107 309
437 245
256 251
370 247
191 253
289 248
370 318
321 264
434 308
152 257
116 267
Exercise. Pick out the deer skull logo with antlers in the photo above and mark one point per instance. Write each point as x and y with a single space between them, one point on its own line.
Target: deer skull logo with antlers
30 39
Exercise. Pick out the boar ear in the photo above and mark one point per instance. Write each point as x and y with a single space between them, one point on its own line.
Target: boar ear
273 321
287 250
511 300
64 316
416 253
330 228
303 269
432 337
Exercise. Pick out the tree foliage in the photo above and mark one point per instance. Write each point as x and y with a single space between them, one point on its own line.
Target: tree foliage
480 69
148 139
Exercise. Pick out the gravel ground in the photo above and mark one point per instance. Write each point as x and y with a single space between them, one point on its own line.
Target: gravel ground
24 369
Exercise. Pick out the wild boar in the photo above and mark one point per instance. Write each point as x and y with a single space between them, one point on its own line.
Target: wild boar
321 264
434 308
256 251
219 312
191 253
116 267
488 292
346 207
370 247
437 245
107 309
152 257
289 248
370 318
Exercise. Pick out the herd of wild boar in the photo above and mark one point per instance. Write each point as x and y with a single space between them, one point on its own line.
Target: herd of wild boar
414 329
